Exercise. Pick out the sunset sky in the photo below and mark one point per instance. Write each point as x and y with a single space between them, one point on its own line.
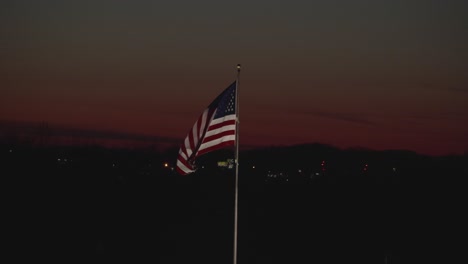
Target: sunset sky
366 73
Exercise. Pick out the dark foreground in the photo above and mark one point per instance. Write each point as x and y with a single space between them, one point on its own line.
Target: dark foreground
104 206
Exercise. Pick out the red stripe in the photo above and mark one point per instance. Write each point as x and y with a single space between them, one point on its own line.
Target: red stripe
216 147
219 135
201 135
181 172
191 143
225 123
184 150
198 124
210 115
185 162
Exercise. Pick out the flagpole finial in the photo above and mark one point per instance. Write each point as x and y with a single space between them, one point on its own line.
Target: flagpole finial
238 67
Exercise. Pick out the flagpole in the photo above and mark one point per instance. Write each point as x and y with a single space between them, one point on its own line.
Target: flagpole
237 165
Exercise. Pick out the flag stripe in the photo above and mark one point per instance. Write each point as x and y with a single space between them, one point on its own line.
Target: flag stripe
213 132
222 119
223 124
218 135
220 140
182 169
218 146
187 148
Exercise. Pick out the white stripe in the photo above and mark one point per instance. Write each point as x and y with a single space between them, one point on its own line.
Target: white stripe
220 130
182 167
216 142
194 139
195 133
182 154
203 123
187 146
220 120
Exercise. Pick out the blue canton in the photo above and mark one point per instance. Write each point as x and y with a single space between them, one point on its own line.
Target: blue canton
227 102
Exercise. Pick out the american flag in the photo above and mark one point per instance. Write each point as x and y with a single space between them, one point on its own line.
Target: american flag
214 129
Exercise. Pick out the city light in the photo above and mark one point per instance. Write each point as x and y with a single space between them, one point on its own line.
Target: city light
365 167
